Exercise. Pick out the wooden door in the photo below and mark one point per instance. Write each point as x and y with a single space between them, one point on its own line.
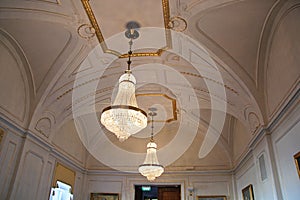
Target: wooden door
169 193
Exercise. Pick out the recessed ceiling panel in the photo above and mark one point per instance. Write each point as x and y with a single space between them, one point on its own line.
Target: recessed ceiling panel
109 19
112 17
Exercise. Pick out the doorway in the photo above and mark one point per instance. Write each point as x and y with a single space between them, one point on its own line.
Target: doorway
157 192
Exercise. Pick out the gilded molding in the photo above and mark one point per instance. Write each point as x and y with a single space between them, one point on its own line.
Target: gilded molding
173 101
58 2
207 92
219 83
84 83
95 24
184 73
79 100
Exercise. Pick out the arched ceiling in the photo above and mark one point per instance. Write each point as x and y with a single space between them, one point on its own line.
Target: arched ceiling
54 56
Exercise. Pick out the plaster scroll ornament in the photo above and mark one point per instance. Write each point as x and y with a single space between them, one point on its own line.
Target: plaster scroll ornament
253 122
43 126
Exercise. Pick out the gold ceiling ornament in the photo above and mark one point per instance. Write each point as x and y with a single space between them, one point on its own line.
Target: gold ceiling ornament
95 24
177 24
86 31
124 118
151 167
168 98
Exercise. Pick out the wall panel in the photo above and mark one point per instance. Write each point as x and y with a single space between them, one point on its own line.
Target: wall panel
31 174
9 154
46 179
265 188
245 176
30 178
124 184
286 144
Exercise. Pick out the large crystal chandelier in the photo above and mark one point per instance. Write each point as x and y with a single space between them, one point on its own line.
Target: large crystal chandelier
123 117
151 167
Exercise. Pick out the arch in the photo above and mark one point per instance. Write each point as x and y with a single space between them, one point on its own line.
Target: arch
15 102
280 83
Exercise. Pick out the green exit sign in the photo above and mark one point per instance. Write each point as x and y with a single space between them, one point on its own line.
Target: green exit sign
146 188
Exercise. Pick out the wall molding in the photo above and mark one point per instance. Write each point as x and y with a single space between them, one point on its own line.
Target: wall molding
269 129
286 110
26 134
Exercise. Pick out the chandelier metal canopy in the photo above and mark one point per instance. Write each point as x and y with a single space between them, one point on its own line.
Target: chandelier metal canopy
124 117
151 167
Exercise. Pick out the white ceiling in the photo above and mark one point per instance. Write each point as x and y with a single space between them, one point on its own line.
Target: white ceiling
44 35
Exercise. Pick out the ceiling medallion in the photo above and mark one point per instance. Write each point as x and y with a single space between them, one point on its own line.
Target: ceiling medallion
177 24
86 31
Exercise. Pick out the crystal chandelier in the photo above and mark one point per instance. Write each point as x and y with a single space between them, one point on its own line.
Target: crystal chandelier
151 167
123 117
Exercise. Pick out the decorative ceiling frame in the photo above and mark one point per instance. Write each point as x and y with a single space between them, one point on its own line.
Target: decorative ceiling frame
105 48
173 102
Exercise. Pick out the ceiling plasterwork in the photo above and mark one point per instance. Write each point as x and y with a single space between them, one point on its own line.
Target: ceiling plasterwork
97 16
229 31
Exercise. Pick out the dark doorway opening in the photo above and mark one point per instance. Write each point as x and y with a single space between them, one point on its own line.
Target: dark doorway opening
157 192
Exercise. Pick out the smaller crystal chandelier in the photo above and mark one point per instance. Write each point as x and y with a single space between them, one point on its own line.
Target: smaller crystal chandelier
151 167
123 117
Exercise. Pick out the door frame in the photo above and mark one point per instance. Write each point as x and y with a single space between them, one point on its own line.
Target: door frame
136 182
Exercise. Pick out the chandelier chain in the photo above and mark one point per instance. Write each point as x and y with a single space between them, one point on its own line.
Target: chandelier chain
152 127
129 54
152 114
